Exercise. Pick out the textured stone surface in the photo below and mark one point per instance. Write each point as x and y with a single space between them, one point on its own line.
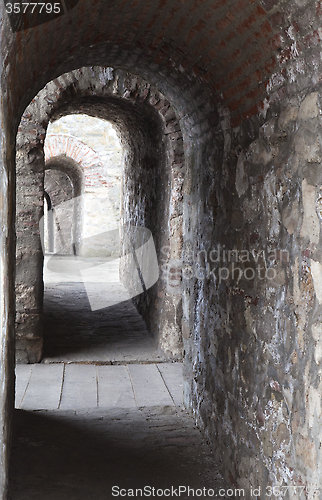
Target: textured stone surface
77 386
253 350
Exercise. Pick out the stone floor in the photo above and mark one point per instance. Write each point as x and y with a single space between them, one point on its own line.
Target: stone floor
82 455
74 332
102 416
79 386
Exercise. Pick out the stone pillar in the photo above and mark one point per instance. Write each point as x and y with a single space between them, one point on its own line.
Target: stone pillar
29 255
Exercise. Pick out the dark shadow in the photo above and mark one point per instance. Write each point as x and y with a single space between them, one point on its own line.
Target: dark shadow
73 332
62 455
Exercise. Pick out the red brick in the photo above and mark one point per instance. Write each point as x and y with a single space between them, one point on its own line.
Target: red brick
240 6
152 22
221 84
230 93
269 4
207 15
235 55
276 19
236 104
170 17
270 65
230 36
246 24
257 56
260 11
266 28
182 23
235 74
162 3
204 43
250 112
319 9
223 24
253 94
207 77
235 121
258 75
244 84
218 4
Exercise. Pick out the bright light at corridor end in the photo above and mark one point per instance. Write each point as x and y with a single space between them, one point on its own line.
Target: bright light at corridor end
138 263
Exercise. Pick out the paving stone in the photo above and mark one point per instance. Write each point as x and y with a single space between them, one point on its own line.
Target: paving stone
74 333
44 388
173 378
82 455
148 386
114 387
79 387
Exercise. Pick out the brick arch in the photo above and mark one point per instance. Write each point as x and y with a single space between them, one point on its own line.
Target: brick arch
74 173
229 48
150 133
75 149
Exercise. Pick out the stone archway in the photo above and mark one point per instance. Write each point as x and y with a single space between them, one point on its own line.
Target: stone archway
59 188
152 140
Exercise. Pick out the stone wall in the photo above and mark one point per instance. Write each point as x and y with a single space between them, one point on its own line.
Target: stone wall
252 314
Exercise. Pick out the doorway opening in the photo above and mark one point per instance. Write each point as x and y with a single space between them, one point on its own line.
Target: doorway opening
88 314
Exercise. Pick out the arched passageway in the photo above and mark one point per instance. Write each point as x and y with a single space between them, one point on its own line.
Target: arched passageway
147 201
58 189
76 327
240 85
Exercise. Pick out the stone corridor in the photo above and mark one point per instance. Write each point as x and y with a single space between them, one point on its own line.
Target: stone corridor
216 197
87 421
